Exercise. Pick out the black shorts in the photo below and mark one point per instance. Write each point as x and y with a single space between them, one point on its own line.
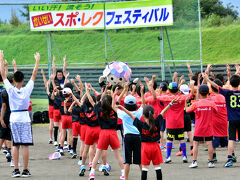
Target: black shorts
232 127
177 134
132 149
5 133
187 122
219 141
196 138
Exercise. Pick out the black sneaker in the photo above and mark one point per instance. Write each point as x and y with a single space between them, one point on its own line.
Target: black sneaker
26 173
16 173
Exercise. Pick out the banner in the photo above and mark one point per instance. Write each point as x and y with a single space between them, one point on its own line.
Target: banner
134 14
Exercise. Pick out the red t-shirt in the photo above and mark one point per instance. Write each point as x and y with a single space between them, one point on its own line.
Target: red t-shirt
204 112
220 122
175 115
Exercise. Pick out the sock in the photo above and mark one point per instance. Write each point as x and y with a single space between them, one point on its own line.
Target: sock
184 150
214 155
229 158
75 140
144 174
180 148
92 171
158 173
80 158
191 147
169 149
122 171
69 147
55 133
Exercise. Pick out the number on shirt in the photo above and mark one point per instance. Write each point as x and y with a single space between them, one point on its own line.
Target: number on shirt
233 101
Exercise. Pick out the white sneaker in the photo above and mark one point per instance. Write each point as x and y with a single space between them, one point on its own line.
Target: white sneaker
65 143
55 143
12 163
194 164
184 159
211 165
168 160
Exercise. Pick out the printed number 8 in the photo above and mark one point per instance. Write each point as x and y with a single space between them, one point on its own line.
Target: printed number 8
233 101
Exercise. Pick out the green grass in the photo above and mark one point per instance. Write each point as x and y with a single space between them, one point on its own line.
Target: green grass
220 45
40 104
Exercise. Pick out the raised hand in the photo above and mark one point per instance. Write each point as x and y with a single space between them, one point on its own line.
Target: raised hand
37 57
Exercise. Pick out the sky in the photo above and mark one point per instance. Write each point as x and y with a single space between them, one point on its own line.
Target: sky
5 10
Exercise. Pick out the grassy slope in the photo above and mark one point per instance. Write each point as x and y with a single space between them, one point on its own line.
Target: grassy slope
220 45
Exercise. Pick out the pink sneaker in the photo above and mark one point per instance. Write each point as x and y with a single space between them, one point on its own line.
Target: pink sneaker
90 166
179 153
122 177
91 177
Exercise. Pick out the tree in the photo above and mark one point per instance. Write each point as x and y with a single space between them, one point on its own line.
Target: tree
25 12
209 7
14 19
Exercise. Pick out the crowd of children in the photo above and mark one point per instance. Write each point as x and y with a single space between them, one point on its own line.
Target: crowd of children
78 110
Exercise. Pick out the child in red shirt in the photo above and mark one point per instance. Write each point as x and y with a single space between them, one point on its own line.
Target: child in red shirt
220 122
204 109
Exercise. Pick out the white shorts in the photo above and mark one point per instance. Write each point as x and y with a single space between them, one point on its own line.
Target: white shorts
21 133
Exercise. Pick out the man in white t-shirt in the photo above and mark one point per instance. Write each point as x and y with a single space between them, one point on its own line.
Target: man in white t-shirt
20 123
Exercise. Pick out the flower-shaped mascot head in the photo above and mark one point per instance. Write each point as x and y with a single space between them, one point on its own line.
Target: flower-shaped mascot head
116 73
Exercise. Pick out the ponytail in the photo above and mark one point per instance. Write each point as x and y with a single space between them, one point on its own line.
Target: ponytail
151 123
148 112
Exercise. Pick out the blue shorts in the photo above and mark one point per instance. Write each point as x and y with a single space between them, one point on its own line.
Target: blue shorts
223 141
163 126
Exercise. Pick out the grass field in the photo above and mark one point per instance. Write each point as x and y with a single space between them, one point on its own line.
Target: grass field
220 45
40 104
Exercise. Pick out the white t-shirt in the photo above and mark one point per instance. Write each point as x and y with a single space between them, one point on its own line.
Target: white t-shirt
19 99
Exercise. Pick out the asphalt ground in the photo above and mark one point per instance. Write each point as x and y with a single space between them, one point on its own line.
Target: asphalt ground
66 168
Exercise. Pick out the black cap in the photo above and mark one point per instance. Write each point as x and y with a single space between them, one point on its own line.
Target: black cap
163 86
203 89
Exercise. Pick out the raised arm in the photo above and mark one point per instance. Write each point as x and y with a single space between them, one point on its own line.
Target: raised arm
6 66
53 81
175 77
71 107
142 94
75 85
228 73
76 100
205 76
64 66
44 78
78 78
2 65
114 107
47 88
88 94
190 71
66 78
126 111
237 69
35 70
150 87
14 65
125 89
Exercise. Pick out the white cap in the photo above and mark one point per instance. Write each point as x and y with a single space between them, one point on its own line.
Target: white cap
184 89
66 91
